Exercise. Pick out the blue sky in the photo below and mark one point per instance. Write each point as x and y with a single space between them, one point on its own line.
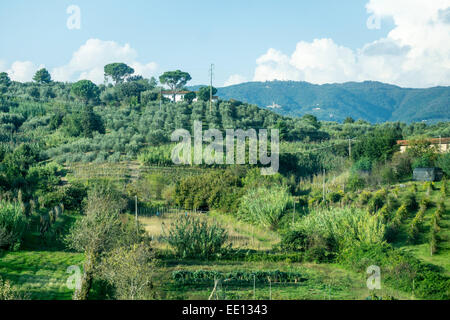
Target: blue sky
189 35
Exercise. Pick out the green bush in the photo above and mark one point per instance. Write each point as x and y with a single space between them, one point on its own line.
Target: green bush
363 164
335 196
400 214
444 163
355 182
377 201
265 206
409 200
334 229
364 198
8 292
12 225
294 240
193 237
400 269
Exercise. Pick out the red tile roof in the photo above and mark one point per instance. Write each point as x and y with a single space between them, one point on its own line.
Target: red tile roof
432 141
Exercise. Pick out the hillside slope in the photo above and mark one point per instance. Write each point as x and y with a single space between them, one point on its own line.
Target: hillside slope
371 101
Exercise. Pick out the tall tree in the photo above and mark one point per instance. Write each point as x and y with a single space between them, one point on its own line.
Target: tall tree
118 71
176 80
5 81
85 90
189 97
42 76
204 93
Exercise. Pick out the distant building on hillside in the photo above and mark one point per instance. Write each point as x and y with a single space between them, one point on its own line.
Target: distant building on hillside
274 106
179 96
441 144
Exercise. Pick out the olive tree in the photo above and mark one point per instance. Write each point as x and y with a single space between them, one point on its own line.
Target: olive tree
130 271
100 230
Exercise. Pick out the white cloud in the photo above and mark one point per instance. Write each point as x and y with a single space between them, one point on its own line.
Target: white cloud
234 79
415 53
88 61
23 71
146 70
274 65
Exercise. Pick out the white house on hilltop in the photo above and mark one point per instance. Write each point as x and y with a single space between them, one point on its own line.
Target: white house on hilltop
179 96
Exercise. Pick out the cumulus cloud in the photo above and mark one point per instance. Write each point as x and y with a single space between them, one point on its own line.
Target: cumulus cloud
23 71
234 79
88 61
415 53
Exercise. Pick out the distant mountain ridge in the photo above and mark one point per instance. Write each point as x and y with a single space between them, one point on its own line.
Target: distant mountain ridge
369 100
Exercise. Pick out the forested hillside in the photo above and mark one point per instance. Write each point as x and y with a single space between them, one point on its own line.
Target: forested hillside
87 179
370 101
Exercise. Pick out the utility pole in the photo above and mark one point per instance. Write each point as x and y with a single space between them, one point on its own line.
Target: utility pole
293 213
349 148
160 98
254 287
440 143
136 209
270 289
210 87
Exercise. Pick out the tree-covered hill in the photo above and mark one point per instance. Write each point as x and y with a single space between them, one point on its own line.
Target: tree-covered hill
370 101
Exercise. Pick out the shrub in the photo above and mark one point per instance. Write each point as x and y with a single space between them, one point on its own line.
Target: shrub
265 206
294 240
444 188
401 164
409 200
392 203
130 271
377 201
400 269
12 225
364 198
355 182
73 196
363 164
343 226
434 239
335 196
416 224
400 215
444 163
193 237
7 292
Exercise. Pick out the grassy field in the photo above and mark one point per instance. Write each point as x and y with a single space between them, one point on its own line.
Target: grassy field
40 274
